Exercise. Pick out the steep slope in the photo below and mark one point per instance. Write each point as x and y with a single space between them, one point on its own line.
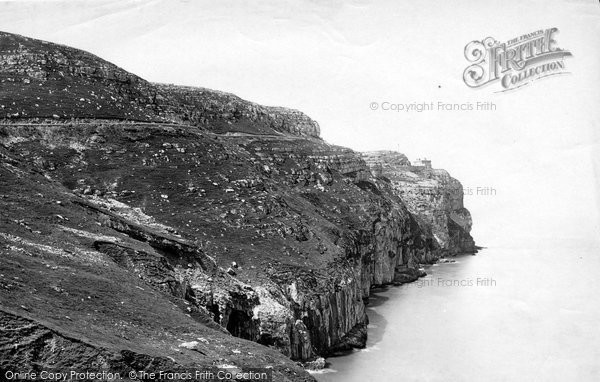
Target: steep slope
299 218
195 213
43 80
81 288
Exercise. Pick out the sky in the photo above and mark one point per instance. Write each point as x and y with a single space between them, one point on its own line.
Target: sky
539 149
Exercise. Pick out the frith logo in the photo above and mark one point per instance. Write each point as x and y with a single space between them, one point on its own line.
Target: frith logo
515 63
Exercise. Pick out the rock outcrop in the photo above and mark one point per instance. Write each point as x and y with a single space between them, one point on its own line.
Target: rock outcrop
431 194
197 215
223 112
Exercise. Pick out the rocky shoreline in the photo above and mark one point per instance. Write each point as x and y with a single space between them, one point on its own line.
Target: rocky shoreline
206 220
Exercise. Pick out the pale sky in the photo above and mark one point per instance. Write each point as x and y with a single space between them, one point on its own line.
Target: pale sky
539 150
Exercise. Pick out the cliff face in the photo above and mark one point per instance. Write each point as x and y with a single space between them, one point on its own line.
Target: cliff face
300 218
431 194
193 214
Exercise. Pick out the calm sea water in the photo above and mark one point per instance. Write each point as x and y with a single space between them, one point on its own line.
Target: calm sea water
533 316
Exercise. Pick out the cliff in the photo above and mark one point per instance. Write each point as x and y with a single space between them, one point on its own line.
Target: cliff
432 195
172 226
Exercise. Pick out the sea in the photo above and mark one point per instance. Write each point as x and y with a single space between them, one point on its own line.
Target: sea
504 314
